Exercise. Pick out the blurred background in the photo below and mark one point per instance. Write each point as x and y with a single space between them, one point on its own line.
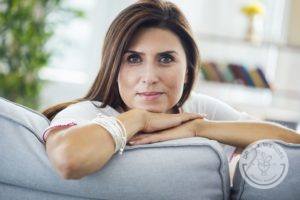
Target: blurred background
250 49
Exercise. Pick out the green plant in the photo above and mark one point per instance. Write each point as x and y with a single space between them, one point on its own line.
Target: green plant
25 29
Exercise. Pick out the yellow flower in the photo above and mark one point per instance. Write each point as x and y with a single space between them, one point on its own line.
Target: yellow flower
253 9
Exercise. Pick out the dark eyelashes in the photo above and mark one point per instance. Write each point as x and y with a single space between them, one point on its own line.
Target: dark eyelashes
133 58
163 57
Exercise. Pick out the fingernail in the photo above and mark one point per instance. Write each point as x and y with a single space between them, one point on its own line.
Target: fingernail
131 142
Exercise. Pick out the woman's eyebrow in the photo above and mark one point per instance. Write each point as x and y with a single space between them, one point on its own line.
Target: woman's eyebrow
131 51
167 52
164 52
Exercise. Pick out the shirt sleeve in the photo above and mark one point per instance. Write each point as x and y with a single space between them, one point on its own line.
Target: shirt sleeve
75 114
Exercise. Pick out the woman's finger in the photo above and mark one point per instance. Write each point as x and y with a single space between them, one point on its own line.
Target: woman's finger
139 136
189 116
161 121
148 139
176 129
182 131
184 117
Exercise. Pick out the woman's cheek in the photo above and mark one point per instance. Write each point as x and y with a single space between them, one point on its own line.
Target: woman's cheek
175 80
175 87
126 84
127 77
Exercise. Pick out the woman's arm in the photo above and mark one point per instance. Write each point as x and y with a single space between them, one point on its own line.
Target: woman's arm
81 150
241 134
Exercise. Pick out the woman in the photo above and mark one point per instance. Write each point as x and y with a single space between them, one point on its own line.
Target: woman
148 69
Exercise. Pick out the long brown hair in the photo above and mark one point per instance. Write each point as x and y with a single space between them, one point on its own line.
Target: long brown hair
143 14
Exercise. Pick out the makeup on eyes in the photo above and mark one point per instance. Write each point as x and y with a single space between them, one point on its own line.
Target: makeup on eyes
168 56
135 56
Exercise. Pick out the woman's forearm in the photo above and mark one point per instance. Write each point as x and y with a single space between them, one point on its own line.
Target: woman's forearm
241 134
79 151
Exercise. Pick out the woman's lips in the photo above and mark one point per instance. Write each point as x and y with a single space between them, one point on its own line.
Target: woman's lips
150 95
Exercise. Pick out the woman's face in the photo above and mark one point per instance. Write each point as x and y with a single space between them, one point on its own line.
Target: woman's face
153 71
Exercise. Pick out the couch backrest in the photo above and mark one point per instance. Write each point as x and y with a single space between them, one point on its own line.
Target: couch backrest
31 120
193 168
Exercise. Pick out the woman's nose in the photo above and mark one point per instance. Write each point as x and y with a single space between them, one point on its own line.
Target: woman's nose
150 75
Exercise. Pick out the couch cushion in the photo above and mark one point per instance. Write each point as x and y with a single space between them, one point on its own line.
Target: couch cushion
31 120
280 182
191 168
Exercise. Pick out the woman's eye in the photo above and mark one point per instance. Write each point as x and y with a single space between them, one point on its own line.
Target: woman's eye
134 59
165 59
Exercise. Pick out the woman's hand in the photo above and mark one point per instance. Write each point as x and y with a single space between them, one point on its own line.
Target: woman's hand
160 121
139 120
185 130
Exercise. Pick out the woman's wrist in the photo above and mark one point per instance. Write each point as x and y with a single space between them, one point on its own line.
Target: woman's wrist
133 121
202 126
140 116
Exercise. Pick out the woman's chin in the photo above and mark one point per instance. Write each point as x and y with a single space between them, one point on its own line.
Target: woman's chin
152 109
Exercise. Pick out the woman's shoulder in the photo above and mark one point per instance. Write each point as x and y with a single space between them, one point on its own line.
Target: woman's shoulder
197 96
214 108
202 103
82 106
197 100
87 108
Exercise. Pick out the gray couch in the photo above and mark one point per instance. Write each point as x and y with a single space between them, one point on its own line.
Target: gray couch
193 168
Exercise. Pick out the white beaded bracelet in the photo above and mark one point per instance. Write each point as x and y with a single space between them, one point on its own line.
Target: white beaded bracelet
115 127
